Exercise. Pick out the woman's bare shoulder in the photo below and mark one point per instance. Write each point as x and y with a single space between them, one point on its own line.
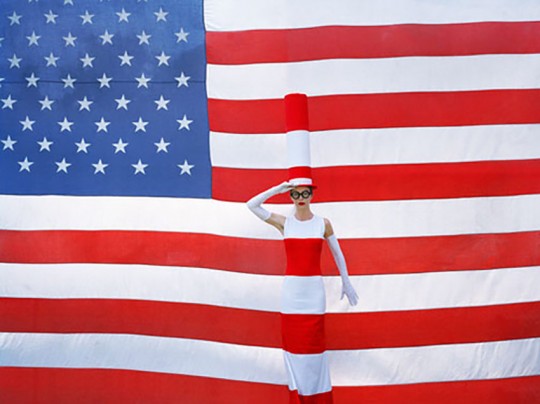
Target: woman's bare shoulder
328 230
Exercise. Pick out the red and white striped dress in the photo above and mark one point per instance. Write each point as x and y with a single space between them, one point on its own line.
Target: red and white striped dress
303 305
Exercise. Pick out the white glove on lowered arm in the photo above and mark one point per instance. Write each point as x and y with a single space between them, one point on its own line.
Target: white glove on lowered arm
347 287
254 204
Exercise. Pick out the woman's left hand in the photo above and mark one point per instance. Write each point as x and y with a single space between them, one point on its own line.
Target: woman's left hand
347 289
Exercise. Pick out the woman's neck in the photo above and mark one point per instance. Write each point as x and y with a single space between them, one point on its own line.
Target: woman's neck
303 213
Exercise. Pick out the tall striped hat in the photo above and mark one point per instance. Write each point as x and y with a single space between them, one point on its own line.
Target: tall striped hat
298 148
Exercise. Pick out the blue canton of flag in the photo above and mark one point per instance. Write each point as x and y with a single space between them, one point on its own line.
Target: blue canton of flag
103 98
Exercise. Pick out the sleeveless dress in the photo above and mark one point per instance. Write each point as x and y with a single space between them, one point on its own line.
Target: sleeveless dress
303 305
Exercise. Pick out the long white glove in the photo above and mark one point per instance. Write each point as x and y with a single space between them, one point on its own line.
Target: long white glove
347 288
254 204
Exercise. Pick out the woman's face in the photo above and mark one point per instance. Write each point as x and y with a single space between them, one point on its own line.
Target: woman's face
301 196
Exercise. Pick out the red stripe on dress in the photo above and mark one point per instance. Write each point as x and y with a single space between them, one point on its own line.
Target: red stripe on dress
387 110
303 256
365 256
390 181
321 398
295 338
259 328
348 42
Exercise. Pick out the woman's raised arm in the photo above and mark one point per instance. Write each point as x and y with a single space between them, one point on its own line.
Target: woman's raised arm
254 204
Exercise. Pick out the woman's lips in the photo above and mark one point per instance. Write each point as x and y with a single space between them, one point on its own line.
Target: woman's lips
301 203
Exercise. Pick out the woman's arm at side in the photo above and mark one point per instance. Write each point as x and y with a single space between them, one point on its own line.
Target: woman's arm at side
347 287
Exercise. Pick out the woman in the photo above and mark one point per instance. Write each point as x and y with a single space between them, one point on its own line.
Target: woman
303 302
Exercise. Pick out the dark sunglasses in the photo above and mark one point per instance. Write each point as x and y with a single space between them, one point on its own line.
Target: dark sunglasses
305 194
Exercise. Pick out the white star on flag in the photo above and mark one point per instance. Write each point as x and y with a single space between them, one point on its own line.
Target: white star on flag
32 80
85 104
33 39
163 59
143 38
14 61
15 19
45 144
8 143
68 81
46 103
8 102
126 59
161 15
51 59
143 81
162 146
87 18
139 167
51 17
102 125
82 146
65 125
106 37
181 35
62 165
104 81
100 167
122 102
27 124
25 165
123 16
182 80
162 103
87 60
184 123
185 168
70 40
140 125
120 146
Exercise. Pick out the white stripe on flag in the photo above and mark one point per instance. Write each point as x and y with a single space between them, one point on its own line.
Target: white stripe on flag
224 15
417 291
258 364
409 74
377 218
381 146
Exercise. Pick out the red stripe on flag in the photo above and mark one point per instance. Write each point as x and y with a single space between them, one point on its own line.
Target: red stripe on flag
115 386
258 328
64 385
349 42
366 256
413 109
390 181
517 390
295 338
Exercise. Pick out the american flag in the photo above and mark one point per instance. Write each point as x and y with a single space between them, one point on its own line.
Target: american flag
134 131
